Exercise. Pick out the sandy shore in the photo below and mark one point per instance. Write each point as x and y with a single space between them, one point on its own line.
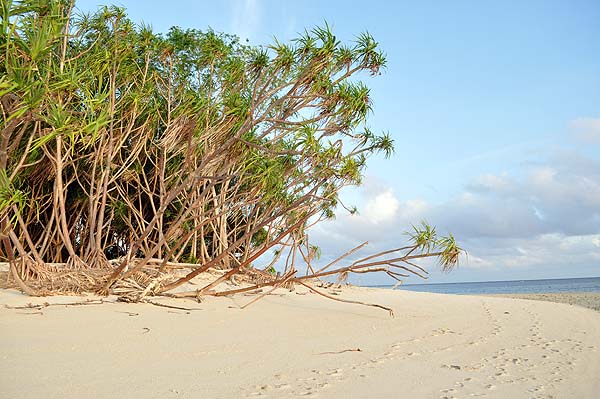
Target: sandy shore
586 299
291 345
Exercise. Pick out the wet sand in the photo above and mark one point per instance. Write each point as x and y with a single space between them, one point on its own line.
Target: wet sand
589 300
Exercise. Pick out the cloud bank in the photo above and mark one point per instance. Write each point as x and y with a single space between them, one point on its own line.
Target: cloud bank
540 221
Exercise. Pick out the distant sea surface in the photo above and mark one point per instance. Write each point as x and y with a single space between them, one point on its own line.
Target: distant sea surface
591 284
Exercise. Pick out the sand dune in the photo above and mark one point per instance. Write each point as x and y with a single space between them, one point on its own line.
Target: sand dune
291 345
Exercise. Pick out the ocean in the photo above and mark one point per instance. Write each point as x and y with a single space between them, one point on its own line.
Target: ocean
590 284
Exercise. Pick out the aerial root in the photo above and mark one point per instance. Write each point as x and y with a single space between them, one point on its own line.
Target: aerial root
147 278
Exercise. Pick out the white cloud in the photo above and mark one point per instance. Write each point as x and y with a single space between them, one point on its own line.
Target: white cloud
382 207
475 262
544 253
490 182
586 129
542 220
543 176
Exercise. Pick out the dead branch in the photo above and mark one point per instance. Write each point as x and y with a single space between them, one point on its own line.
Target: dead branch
409 270
327 266
338 352
275 286
46 304
169 306
391 311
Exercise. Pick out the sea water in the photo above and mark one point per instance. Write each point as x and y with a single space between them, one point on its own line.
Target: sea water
590 284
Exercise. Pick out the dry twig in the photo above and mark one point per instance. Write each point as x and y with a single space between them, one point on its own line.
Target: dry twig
390 310
338 352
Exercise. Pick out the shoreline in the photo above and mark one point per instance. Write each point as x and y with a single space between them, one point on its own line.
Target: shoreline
292 344
590 300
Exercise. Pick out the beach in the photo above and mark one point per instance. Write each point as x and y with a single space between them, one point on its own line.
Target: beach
298 344
586 299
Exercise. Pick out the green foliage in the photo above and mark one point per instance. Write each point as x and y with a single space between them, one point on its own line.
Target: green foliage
315 252
425 239
188 258
450 252
260 237
10 195
186 132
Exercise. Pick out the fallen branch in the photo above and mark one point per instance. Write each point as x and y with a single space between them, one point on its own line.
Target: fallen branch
377 255
342 257
275 286
147 281
338 352
129 313
391 311
170 306
409 270
46 304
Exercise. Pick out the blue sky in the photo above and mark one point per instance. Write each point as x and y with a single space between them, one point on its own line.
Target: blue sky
495 111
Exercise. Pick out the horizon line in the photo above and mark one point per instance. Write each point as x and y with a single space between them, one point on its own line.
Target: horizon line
487 281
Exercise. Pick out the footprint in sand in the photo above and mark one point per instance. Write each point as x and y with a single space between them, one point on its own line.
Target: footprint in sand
538 388
335 373
307 379
449 390
263 388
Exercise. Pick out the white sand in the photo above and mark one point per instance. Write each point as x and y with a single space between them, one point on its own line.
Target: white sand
437 346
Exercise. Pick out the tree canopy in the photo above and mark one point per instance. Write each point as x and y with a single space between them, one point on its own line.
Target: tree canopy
123 150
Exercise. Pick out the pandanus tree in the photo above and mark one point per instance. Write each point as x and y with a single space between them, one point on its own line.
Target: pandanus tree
124 151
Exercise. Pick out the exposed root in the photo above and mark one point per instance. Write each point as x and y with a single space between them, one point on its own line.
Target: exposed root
146 279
